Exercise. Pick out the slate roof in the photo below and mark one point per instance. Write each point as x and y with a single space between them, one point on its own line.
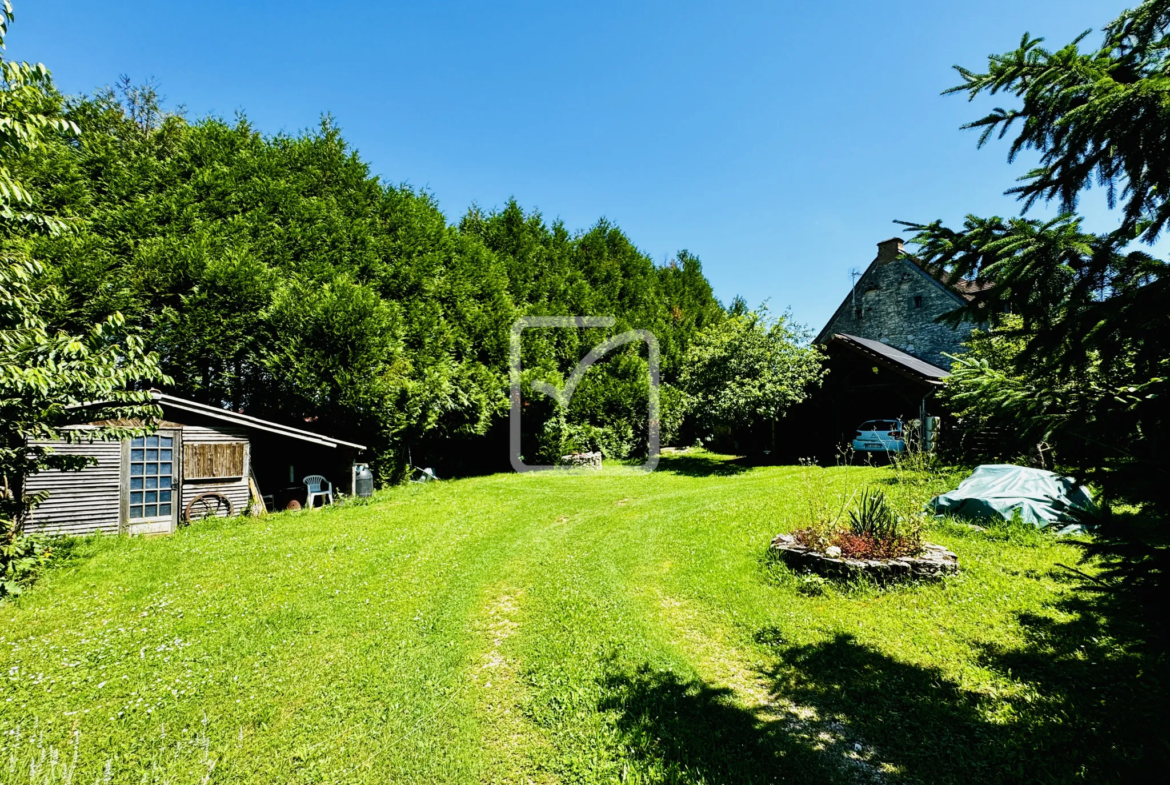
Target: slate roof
888 355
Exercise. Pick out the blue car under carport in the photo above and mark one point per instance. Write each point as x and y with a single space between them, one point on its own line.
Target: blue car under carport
880 436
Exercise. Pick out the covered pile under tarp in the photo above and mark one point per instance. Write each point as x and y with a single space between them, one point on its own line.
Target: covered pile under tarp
999 491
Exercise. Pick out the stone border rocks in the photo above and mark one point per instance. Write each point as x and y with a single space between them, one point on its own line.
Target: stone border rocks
582 460
935 561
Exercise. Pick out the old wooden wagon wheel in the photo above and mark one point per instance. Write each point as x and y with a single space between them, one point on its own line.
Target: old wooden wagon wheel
210 504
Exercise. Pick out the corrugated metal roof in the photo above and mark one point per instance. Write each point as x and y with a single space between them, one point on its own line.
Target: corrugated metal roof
251 422
240 419
909 362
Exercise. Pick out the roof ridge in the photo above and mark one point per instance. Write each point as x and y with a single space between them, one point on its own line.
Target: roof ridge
965 287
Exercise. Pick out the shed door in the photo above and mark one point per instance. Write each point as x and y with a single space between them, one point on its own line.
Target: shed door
152 486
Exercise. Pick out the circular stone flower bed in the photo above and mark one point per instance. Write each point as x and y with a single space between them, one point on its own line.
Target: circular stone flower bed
934 561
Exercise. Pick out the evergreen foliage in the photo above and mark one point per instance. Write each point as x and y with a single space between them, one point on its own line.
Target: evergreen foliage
1092 373
277 276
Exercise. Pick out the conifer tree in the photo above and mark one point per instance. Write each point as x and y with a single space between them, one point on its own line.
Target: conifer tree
1093 376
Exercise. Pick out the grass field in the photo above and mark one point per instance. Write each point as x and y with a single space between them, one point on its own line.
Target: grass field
577 629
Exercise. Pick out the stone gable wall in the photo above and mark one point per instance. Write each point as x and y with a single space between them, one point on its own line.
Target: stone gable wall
888 311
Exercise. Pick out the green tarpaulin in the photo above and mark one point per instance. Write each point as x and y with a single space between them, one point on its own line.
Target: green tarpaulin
999 491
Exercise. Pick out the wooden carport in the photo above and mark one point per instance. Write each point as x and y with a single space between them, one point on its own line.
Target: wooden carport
866 380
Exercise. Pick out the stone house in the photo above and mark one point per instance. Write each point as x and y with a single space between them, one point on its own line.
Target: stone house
896 302
884 352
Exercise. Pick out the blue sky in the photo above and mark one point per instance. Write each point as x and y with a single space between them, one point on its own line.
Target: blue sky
777 141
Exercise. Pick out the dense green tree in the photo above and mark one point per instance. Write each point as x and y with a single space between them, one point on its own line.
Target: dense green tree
1093 375
29 111
748 369
274 274
597 273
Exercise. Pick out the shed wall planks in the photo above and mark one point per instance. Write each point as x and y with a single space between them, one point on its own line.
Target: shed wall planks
234 488
211 461
236 492
81 502
90 500
199 434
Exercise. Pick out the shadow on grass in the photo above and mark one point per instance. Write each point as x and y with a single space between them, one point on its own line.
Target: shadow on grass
1084 707
703 465
926 728
1087 702
1100 675
925 725
686 731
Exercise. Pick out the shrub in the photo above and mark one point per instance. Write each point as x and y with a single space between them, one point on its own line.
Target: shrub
22 558
873 517
874 532
561 437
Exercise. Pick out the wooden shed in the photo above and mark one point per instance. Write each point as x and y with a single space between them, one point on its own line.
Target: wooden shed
143 485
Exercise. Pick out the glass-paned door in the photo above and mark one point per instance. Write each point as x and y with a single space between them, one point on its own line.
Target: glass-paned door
151 477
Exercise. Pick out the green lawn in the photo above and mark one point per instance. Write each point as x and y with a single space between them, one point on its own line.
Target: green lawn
539 628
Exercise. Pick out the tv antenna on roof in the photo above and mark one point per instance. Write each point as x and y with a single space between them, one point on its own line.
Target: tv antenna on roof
854 273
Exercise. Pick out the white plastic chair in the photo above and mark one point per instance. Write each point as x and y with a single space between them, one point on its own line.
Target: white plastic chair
426 475
318 487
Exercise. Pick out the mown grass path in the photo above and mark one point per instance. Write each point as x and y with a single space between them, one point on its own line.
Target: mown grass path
576 629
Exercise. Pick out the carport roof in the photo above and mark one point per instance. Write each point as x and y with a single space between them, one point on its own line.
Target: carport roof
895 359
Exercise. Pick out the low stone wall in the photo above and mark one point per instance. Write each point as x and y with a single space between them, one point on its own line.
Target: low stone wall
935 561
582 460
